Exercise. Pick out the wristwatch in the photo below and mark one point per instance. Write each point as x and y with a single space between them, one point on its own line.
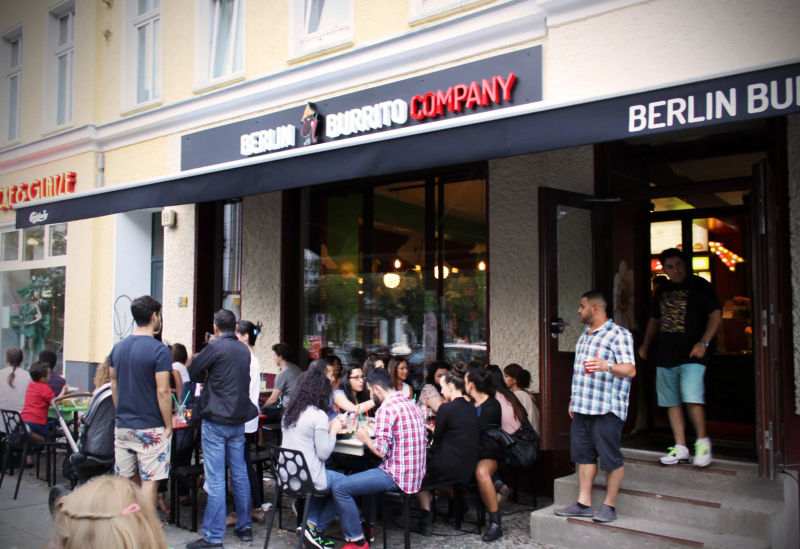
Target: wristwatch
704 343
610 367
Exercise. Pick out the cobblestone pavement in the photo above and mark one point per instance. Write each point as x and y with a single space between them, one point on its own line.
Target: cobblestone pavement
26 523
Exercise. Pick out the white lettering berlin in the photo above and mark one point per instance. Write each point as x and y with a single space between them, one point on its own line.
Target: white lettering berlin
714 105
366 118
267 140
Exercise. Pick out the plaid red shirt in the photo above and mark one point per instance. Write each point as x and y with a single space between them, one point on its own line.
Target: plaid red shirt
400 435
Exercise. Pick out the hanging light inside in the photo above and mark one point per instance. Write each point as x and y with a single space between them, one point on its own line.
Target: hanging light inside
481 265
397 263
445 270
391 280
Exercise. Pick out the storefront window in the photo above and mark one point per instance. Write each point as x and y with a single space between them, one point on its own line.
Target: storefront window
34 243
372 272
10 245
58 239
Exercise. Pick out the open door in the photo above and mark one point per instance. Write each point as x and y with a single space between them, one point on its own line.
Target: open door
770 317
571 238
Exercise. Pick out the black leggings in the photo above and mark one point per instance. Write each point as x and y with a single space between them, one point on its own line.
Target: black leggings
251 441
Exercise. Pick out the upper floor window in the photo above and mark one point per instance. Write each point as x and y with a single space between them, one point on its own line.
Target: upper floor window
11 55
143 51
220 40
33 243
319 25
422 9
61 64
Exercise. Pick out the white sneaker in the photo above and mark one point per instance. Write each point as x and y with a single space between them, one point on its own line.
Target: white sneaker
702 452
676 454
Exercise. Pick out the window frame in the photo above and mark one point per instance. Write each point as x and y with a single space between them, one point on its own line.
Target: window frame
54 52
418 11
206 35
47 260
11 72
153 57
303 45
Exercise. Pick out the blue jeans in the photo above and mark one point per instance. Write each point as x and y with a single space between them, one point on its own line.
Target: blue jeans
323 510
223 443
371 481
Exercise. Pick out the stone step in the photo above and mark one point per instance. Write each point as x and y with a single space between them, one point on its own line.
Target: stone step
631 532
733 512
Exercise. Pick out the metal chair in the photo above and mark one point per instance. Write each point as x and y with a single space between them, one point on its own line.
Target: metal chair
293 478
19 437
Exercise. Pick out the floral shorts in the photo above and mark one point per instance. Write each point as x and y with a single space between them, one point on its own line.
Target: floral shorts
144 449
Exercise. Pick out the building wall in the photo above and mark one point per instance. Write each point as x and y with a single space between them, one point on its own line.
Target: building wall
261 271
179 275
514 247
793 144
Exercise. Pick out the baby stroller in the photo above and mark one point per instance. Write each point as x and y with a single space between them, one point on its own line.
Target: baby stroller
93 455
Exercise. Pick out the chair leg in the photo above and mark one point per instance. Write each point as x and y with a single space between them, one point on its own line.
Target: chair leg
276 501
385 520
407 521
21 470
301 535
173 498
195 490
6 463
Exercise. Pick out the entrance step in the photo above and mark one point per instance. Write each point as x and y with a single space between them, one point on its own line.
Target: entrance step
723 505
630 532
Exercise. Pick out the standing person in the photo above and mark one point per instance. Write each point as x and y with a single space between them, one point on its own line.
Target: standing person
140 368
398 370
601 382
179 359
225 406
13 382
400 442
247 332
684 316
284 382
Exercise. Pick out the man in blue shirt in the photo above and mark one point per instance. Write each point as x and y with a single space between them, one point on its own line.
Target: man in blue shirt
140 370
601 381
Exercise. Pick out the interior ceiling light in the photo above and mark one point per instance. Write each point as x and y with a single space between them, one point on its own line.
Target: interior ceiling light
397 263
445 270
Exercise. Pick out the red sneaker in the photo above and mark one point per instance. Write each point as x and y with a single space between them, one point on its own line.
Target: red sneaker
354 545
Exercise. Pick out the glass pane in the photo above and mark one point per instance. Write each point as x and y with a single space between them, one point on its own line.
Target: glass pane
14 53
33 311
156 4
13 107
10 245
58 239
574 229
33 238
326 15
61 109
143 6
222 37
142 91
665 234
156 54
63 30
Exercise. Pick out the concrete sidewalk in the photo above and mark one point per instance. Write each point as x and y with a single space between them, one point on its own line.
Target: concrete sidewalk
25 523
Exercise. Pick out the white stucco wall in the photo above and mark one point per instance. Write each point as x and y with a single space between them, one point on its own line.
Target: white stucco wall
514 246
793 154
261 271
179 277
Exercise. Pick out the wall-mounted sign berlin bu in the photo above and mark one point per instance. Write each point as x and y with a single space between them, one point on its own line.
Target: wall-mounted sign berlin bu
46 187
510 79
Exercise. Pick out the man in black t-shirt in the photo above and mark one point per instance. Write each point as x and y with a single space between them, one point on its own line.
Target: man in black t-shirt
684 316
140 370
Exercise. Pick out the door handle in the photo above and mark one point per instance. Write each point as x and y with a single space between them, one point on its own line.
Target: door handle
557 326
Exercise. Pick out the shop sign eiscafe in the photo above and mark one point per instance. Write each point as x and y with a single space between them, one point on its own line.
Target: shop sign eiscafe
38 189
510 79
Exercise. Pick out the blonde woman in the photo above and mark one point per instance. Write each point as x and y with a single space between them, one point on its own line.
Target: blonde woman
107 513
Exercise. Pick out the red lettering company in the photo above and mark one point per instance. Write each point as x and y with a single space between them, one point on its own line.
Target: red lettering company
38 189
433 104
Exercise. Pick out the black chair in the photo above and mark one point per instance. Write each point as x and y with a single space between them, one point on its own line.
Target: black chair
405 500
19 437
261 461
293 478
185 475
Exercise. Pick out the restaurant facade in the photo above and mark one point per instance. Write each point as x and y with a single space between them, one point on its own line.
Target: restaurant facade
435 179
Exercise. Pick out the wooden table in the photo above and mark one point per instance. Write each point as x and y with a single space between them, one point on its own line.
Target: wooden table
350 446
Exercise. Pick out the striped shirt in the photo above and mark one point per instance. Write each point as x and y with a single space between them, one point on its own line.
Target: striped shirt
601 392
400 436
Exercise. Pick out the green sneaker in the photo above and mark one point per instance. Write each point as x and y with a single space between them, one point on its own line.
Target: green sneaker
316 540
702 453
675 454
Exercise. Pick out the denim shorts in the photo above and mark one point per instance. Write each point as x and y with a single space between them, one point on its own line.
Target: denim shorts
680 384
591 437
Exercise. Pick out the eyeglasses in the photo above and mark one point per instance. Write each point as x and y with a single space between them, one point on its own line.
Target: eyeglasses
356 377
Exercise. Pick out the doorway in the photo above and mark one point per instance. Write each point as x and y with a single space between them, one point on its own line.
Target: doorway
695 191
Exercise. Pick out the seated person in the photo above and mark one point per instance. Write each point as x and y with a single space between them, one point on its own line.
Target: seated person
284 382
306 428
334 370
430 397
518 379
400 442
56 382
347 397
109 512
453 455
38 396
398 370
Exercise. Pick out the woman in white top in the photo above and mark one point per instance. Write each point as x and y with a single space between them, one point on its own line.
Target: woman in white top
247 332
398 370
518 379
306 428
179 372
13 382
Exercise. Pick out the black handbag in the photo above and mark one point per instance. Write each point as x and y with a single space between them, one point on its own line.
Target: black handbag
521 448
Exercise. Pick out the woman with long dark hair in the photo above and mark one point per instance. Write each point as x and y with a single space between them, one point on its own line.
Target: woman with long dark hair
306 428
398 370
518 379
431 395
351 385
481 389
13 382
